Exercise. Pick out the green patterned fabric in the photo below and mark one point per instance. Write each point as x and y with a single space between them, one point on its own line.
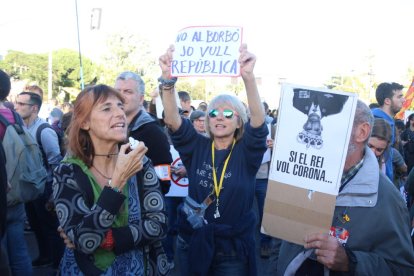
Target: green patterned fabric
103 258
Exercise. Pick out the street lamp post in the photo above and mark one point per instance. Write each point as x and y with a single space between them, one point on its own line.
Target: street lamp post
79 47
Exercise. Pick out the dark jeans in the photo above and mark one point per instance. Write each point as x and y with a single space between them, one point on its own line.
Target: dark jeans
4 262
222 265
172 204
260 191
44 224
15 243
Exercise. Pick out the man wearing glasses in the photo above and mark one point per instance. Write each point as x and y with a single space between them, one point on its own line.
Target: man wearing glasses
43 222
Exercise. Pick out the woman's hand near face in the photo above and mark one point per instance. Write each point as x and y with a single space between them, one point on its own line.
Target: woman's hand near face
128 164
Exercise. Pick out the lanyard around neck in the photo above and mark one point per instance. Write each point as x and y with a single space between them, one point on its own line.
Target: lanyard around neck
217 187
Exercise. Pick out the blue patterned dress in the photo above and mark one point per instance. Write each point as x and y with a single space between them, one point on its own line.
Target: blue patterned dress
137 244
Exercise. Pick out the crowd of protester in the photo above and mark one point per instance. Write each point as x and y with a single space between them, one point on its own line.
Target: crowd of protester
105 209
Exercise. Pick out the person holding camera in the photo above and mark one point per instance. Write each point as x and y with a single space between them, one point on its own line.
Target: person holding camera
107 195
217 221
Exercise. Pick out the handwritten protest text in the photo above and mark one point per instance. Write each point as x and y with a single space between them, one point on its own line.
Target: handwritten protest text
207 51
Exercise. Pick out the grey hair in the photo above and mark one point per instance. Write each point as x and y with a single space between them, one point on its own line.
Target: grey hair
233 102
363 115
131 75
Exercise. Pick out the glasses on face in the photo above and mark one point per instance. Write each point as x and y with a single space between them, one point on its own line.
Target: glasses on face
227 113
23 104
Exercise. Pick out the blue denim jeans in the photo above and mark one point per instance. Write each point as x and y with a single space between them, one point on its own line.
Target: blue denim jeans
172 204
222 265
15 242
4 262
260 191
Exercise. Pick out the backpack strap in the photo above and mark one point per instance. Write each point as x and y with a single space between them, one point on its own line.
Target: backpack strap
18 122
39 142
4 121
17 118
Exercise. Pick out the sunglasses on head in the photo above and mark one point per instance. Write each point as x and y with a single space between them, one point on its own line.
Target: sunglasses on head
227 113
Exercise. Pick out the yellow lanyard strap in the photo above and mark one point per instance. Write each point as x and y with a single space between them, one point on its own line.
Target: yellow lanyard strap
217 188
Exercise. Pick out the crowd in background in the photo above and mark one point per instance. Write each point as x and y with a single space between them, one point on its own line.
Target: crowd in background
123 218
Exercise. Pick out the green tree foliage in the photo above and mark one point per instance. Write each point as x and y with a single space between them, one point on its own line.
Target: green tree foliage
124 52
28 67
66 70
356 84
235 86
129 52
33 68
184 85
199 90
196 89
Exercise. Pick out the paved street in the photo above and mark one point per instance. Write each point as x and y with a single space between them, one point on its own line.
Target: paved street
264 266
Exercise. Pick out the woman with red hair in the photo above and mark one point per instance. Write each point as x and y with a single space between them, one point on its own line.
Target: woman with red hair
107 194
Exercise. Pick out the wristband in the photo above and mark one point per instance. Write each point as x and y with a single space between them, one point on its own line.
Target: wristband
167 82
169 89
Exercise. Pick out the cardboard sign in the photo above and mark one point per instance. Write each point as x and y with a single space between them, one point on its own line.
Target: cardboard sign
207 51
179 185
313 131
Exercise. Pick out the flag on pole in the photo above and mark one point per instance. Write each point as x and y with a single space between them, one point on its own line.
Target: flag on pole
409 96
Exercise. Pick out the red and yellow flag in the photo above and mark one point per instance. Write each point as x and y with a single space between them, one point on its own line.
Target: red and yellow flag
409 96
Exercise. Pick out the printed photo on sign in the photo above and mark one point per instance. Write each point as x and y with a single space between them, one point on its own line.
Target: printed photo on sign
207 51
313 131
315 105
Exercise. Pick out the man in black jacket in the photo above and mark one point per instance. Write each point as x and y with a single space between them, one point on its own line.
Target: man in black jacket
144 127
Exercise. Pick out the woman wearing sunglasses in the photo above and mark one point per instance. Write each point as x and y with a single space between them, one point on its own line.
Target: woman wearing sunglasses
217 222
